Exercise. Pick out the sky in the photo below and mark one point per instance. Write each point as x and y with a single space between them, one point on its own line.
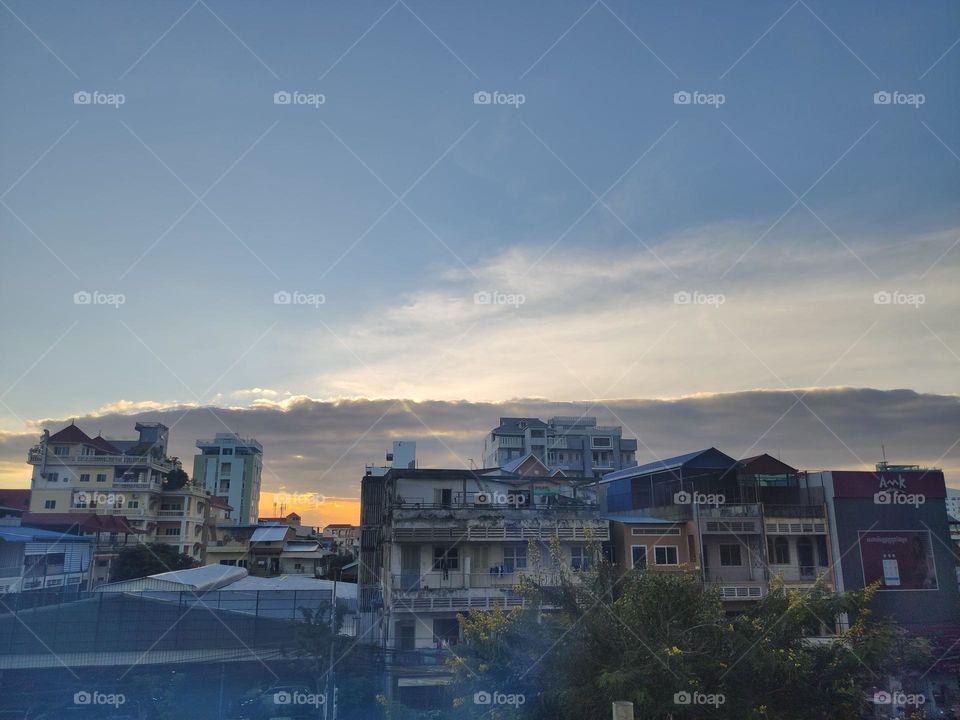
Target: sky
474 206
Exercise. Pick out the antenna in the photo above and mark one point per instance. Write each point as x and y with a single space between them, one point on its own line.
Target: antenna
883 452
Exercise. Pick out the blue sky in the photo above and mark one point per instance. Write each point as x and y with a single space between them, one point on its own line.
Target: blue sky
702 200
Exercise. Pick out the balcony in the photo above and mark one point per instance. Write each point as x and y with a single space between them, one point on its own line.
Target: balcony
413 582
794 511
747 590
533 529
35 457
806 574
731 519
508 441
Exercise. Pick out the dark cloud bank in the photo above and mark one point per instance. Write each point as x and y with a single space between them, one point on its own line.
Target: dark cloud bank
843 428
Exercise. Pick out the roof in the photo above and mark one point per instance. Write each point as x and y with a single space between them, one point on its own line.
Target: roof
766 464
640 519
301 546
204 578
219 501
16 499
20 534
339 525
345 590
269 533
102 444
517 463
708 458
70 434
511 425
85 522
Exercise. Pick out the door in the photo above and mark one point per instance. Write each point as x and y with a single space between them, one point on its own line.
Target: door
409 567
805 559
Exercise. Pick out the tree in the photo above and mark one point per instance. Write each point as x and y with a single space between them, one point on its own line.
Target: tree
142 560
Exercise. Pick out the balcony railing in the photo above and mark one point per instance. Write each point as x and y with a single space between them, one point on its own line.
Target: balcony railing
453 579
730 511
798 573
793 511
35 455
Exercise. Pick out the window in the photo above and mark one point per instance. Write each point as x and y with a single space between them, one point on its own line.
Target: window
514 557
823 558
601 442
778 549
580 557
52 477
133 504
227 451
666 555
638 556
226 468
446 631
61 451
84 477
730 555
446 558
443 497
172 531
101 477
536 433
49 504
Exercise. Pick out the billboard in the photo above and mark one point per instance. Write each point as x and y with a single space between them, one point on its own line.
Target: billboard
899 559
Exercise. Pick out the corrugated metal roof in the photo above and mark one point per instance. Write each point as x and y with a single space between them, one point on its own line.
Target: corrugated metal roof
207 577
270 533
668 464
20 534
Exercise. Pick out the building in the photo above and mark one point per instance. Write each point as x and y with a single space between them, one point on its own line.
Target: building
403 455
740 523
13 504
230 467
437 542
266 549
345 536
134 481
953 503
574 446
34 559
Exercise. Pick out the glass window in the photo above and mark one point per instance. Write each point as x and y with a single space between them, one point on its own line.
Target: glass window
101 477
730 555
579 557
52 477
50 504
778 549
84 477
666 555
638 556
228 451
823 558
514 557
61 450
446 558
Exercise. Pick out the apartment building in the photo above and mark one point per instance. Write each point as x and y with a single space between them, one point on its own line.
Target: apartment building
437 542
76 476
230 467
346 537
35 559
266 549
740 523
574 446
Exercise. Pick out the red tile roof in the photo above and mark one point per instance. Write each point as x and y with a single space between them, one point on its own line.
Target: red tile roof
70 434
100 443
17 499
85 522
220 502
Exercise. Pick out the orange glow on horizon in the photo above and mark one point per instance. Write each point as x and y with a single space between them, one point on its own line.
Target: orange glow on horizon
315 511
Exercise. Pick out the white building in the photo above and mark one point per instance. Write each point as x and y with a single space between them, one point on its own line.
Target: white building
953 503
403 455
230 466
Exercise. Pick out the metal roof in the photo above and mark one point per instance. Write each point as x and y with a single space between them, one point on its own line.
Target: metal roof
638 519
199 579
668 464
269 533
20 534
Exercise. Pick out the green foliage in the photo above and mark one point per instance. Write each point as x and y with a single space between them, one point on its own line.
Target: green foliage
142 560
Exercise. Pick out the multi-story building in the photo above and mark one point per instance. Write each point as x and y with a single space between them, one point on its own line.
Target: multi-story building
953 503
230 466
437 542
35 559
75 476
574 446
265 549
739 523
403 455
346 537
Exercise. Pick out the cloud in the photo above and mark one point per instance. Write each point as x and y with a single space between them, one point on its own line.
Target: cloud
320 448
